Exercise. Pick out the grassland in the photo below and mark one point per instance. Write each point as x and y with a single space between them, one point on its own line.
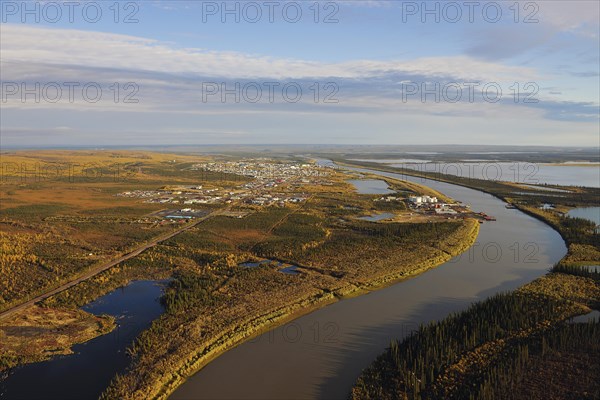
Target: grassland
59 217
59 214
41 333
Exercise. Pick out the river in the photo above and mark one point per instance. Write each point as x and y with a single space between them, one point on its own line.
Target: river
320 355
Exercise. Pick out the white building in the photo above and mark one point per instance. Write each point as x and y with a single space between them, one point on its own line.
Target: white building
422 199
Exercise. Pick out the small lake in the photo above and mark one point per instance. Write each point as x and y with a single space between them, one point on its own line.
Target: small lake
377 217
539 194
291 270
287 268
547 189
393 160
589 213
371 186
85 374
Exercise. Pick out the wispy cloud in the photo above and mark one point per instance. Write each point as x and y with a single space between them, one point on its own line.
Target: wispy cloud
170 80
36 46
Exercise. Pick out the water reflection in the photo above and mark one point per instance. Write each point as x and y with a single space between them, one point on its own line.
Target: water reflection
522 172
85 374
377 217
371 186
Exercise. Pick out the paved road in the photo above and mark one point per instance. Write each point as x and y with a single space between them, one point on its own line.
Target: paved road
107 265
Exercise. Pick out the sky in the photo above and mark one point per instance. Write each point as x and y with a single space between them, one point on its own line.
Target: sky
100 73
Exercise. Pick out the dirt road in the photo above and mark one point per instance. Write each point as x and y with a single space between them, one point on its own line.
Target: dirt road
103 267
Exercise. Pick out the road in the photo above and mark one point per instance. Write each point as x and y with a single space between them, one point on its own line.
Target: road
103 267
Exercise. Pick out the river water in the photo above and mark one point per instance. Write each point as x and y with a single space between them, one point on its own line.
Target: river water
85 374
320 355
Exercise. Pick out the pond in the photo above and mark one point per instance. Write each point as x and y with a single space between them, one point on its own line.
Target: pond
589 213
377 217
85 374
547 189
591 316
371 186
287 268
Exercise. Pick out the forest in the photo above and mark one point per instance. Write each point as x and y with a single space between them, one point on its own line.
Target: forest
493 348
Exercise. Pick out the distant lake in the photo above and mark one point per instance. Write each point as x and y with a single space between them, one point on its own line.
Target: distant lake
589 213
371 186
540 194
393 161
547 189
520 172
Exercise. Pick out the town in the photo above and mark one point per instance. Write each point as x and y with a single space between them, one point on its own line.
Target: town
273 184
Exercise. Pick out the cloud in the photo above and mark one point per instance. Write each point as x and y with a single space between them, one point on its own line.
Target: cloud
170 82
33 46
586 74
579 17
537 30
367 3
172 79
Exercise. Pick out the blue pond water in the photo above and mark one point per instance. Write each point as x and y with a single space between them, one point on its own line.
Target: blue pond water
85 374
377 217
287 268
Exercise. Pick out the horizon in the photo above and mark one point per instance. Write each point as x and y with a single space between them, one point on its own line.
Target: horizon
241 145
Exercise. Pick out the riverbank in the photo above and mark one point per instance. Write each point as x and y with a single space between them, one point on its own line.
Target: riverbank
491 366
86 372
192 352
496 347
52 327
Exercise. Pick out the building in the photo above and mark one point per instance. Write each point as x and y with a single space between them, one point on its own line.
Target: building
418 200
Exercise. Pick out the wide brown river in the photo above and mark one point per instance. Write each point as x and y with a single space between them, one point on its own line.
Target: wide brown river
320 355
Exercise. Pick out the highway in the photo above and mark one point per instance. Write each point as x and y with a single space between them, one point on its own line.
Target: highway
104 266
